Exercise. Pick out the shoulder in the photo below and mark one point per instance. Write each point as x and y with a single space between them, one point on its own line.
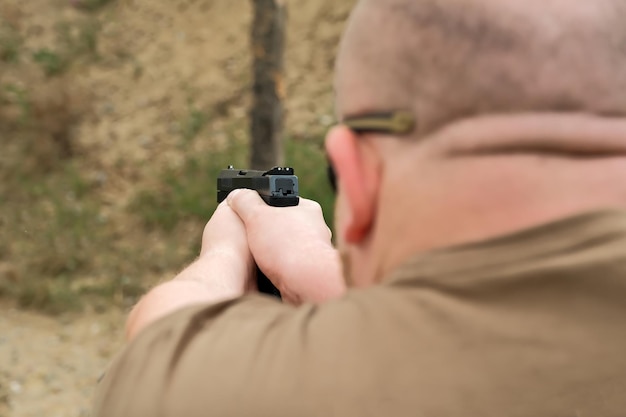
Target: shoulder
198 357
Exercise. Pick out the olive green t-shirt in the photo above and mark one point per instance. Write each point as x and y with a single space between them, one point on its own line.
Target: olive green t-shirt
530 324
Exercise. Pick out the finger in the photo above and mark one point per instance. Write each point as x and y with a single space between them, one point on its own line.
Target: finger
245 203
224 224
315 206
221 208
223 211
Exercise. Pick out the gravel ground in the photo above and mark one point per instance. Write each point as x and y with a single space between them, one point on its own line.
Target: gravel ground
49 366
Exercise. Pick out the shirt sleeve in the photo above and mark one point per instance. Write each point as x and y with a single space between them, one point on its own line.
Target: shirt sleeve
237 357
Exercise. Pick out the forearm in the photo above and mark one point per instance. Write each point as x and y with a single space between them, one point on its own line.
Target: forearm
213 277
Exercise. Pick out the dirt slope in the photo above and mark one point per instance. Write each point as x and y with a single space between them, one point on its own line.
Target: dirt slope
157 60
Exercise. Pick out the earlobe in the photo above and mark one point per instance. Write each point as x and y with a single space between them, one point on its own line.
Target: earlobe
358 180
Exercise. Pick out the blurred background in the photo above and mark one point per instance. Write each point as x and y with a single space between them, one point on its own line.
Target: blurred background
115 118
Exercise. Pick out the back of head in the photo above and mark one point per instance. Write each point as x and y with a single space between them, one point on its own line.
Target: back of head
521 104
451 59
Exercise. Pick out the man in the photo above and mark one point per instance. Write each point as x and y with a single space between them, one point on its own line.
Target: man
481 225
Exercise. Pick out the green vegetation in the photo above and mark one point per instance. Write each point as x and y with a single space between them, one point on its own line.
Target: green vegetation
193 123
54 234
186 193
56 228
309 161
93 5
189 193
15 94
10 46
71 255
75 41
50 61
79 38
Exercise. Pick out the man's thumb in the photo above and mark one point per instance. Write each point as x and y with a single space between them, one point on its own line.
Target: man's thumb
245 203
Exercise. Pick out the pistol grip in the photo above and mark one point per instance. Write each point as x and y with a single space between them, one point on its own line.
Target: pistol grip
264 285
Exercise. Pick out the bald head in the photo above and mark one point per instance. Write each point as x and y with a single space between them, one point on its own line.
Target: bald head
541 74
451 59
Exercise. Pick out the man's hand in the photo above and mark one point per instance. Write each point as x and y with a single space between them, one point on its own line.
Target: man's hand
223 270
292 246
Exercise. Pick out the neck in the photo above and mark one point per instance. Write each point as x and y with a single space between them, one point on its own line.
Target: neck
492 176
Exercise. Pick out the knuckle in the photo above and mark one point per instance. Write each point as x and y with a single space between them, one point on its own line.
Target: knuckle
238 197
312 205
316 207
243 203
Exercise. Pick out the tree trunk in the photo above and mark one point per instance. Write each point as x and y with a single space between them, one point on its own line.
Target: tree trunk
268 41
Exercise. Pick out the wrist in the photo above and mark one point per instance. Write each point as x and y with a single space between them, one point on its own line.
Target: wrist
319 273
221 267
217 275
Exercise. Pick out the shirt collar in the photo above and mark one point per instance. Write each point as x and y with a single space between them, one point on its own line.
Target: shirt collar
597 235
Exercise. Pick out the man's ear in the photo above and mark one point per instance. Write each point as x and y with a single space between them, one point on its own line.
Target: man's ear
357 167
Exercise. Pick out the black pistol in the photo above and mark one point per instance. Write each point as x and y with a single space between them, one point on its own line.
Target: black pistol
278 187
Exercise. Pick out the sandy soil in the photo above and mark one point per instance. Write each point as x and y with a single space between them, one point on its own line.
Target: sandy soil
50 366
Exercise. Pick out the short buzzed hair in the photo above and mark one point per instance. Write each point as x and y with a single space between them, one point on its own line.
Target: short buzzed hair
451 59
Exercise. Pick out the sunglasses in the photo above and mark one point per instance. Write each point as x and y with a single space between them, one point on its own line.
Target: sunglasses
390 123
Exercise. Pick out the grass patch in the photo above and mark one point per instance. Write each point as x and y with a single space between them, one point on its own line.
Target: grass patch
192 124
10 46
53 236
58 252
52 62
309 161
75 40
79 38
13 94
50 296
189 193
53 221
92 5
